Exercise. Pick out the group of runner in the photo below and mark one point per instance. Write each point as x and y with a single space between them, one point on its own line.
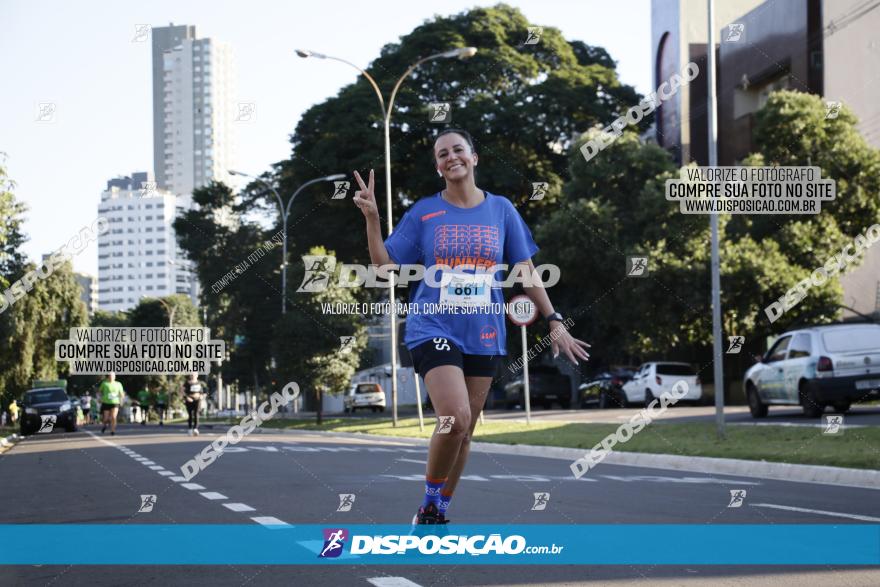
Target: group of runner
111 397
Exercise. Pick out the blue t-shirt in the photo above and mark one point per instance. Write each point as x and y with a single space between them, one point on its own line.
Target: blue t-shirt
435 232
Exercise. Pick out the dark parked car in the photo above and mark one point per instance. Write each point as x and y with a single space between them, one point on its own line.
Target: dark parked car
47 409
546 385
605 390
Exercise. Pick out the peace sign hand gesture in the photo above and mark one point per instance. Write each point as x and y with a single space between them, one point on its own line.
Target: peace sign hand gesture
364 197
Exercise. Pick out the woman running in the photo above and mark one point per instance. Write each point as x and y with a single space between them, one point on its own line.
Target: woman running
457 353
192 398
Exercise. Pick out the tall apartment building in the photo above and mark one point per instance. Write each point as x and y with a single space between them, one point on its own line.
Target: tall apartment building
88 285
139 257
193 109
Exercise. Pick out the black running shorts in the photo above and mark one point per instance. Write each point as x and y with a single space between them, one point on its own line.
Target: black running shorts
108 407
442 351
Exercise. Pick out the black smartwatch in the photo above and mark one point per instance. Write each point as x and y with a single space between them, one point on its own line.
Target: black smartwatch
554 316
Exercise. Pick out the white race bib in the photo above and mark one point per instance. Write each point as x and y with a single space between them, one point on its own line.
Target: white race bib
466 289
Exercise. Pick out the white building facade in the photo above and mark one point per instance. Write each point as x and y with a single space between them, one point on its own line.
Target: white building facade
139 256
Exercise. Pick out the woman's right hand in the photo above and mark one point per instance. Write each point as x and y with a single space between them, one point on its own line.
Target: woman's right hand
365 199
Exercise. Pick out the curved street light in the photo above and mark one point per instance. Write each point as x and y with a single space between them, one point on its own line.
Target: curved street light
285 214
460 53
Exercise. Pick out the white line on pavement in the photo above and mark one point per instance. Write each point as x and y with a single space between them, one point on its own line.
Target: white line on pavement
213 495
191 486
392 582
820 512
177 479
238 507
269 521
157 468
413 461
166 473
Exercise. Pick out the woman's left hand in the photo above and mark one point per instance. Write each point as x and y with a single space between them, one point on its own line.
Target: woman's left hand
571 346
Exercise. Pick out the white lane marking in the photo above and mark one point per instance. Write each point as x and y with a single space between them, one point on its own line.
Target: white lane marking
212 495
789 508
392 582
141 459
269 521
412 461
148 463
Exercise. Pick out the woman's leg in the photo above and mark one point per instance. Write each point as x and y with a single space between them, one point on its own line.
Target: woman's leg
477 388
449 396
113 413
189 414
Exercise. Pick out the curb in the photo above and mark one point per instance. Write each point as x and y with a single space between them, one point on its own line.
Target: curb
819 474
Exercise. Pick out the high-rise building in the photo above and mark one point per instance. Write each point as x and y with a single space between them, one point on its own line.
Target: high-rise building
193 111
89 294
139 256
164 39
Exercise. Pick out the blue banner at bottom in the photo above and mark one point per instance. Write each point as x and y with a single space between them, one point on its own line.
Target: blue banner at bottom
644 544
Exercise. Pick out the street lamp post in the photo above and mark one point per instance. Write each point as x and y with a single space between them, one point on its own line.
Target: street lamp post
460 53
169 310
285 214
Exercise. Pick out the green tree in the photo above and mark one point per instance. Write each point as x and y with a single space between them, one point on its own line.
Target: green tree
524 104
30 327
615 205
307 340
12 259
237 263
155 312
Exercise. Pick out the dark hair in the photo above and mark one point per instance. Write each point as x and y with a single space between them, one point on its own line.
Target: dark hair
449 131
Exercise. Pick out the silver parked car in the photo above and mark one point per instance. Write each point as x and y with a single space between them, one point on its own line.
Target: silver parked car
817 367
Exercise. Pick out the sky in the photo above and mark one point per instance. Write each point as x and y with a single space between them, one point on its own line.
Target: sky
85 58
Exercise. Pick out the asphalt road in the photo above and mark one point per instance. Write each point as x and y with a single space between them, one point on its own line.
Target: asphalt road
296 479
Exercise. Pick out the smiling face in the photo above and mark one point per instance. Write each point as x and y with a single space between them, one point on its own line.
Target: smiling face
454 157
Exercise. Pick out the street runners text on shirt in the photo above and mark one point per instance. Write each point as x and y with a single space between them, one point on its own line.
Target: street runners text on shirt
363 308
